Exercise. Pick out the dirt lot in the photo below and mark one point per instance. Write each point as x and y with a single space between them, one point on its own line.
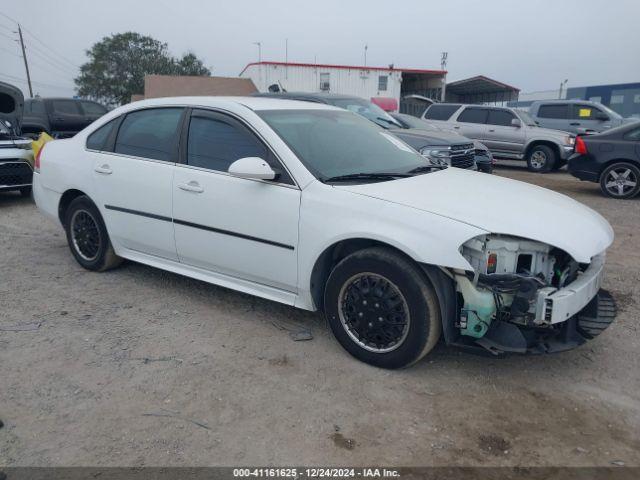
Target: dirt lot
141 367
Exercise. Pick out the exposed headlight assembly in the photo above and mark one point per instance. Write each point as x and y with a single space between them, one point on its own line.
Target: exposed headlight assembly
438 155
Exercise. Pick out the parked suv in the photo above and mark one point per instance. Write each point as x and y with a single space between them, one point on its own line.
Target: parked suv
508 133
59 117
577 116
442 148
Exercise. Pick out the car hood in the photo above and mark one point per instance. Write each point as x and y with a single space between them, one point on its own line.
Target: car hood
500 205
11 105
422 138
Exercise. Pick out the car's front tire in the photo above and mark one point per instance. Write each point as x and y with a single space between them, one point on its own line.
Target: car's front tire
87 236
620 180
541 159
382 308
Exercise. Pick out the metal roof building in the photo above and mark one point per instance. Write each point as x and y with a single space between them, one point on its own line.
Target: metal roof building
480 89
362 81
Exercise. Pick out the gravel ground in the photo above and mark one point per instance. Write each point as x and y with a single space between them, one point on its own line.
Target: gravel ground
141 367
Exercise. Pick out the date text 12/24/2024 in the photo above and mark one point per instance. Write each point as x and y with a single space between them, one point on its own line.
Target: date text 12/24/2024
316 472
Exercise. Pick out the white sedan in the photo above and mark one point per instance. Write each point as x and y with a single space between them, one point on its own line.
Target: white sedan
316 207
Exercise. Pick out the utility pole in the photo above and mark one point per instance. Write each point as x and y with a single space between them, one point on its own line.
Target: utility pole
366 47
26 65
562 85
443 67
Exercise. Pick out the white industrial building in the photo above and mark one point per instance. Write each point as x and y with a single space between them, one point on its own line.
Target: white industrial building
362 81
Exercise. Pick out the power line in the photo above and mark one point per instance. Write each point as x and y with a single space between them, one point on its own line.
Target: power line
42 84
42 57
10 52
40 52
7 36
50 50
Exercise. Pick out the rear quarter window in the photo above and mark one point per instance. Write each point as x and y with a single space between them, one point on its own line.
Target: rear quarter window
98 139
440 112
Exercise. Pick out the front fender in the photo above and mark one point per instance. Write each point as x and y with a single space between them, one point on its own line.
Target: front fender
425 237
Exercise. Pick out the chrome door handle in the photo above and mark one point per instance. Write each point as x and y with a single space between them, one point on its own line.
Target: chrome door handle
104 169
457 128
192 186
492 130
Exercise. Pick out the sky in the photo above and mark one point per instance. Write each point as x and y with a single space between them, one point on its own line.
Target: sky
530 44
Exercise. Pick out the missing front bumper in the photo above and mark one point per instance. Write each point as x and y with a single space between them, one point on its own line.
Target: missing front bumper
586 324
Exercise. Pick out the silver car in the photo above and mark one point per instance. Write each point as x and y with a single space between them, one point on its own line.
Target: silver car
508 133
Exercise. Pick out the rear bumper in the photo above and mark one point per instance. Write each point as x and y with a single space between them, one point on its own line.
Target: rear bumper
584 167
46 199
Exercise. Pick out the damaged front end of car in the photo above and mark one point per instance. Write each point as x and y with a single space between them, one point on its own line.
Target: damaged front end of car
524 296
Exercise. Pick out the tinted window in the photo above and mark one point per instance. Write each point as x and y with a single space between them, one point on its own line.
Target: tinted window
473 115
440 112
149 133
92 108
97 139
215 143
554 111
34 107
382 82
500 117
69 107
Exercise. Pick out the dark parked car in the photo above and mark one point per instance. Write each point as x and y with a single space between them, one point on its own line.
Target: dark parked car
441 148
611 158
484 158
59 117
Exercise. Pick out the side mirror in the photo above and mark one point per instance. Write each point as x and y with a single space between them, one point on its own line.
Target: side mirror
603 117
253 168
515 122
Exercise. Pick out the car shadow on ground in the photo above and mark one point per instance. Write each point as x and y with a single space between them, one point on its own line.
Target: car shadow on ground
12 199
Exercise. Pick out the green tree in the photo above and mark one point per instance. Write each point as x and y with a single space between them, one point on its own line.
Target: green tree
117 66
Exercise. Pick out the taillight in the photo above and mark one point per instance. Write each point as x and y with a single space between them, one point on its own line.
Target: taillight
36 164
581 147
492 263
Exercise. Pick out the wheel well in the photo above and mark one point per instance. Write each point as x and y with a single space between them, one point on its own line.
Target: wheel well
332 256
547 143
66 199
617 160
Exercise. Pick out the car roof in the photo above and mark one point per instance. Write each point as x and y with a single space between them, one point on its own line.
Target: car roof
573 100
253 103
317 96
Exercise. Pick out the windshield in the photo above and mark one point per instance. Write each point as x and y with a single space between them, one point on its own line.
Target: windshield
333 143
610 112
368 110
526 118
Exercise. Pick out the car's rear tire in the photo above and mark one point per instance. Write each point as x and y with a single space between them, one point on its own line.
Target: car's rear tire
541 158
25 191
382 308
87 236
620 180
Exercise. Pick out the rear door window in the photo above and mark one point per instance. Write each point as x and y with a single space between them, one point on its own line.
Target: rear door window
67 107
440 112
633 135
500 117
556 111
473 115
150 133
93 109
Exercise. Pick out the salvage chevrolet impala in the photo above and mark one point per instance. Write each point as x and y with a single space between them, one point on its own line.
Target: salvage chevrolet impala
316 207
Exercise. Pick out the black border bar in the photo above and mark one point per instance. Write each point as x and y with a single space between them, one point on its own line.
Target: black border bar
200 227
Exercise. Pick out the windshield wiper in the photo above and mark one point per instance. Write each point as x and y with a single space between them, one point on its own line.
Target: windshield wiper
426 168
366 176
390 122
